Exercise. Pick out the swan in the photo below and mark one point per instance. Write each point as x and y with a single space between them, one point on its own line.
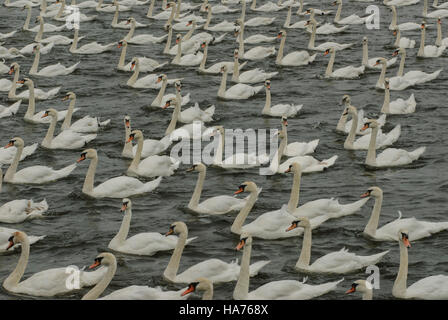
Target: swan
84 4
371 63
124 24
149 81
63 14
222 26
441 6
295 58
419 229
9 111
5 235
145 64
215 270
33 174
150 146
429 288
362 286
190 59
239 160
398 106
253 39
382 140
296 148
7 35
216 68
199 37
142 244
52 70
352 19
200 284
182 26
3 67
152 166
47 283
251 76
110 7
7 154
349 72
440 13
267 7
428 51
441 42
279 110
48 27
326 45
274 290
319 12
193 113
11 53
399 82
402 26
214 205
339 262
257 21
32 117
390 157
402 42
19 3
161 99
141 38
256 53
56 39
87 124
117 187
166 15
328 28
216 9
29 49
89 48
297 25
238 91
133 292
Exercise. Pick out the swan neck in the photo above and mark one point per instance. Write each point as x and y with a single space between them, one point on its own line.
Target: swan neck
87 188
41 31
208 294
242 285
313 36
12 91
99 288
75 40
394 21
338 12
305 254
400 284
173 265
371 153
421 50
26 26
9 175
367 295
386 104
122 234
241 41
295 192
329 70
253 5
127 149
365 54
236 70
15 276
243 11
219 151
131 31
380 82
194 202
159 97
267 105
402 60
134 76
342 121
352 134
35 65
179 52
50 133
151 9
168 41
174 118
280 50
115 18
244 212
204 58
372 225
138 154
190 32
397 39
173 11
179 3
68 117
122 56
439 35
288 18
222 87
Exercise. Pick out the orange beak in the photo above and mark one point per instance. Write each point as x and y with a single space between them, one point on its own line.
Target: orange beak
406 242
11 243
127 123
44 115
132 66
395 33
65 98
365 195
130 139
10 144
352 289
376 63
291 227
189 24
365 127
239 191
21 81
120 45
422 26
171 231
159 79
279 36
288 170
326 52
240 245
203 45
94 265
82 158
167 104
123 207
189 290
11 70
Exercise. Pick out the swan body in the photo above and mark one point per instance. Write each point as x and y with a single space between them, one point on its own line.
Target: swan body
44 49
190 59
161 99
149 81
279 110
267 7
398 106
5 235
216 68
256 53
17 211
145 64
371 63
349 72
89 48
9 111
352 19
296 148
197 114
7 154
326 45
429 51
439 13
295 58
238 91
141 38
52 70
259 38
439 41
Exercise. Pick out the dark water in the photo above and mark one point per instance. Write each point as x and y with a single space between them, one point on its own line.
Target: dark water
78 228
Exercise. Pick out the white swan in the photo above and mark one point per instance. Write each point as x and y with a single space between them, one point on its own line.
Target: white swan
349 72
257 21
47 283
146 244
123 24
52 70
9 111
7 35
253 39
117 187
398 82
7 154
11 53
190 59
295 58
199 37
428 51
215 270
296 148
390 157
161 98
145 64
5 235
222 26
352 19
141 38
33 174
193 113
48 27
19 3
56 39
371 63
44 49
419 229
429 288
326 45
217 8
256 53
402 26
267 7
152 166
251 76
274 290
213 205
398 106
402 42
440 13
216 68
149 81
441 6
297 25
238 91
110 7
339 262
439 41
132 292
200 284
279 110
89 48
3 67
362 286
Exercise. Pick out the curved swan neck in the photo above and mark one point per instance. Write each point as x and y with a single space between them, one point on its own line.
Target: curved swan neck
123 55
371 153
174 117
190 32
313 36
348 144
172 267
9 175
243 11
242 285
122 234
397 39
90 176
68 117
394 21
99 288
338 12
75 40
295 192
372 225
151 9
288 17
222 87
12 91
421 50
267 105
138 154
244 212
219 151
365 53
280 50
305 254
35 65
204 58
439 34
134 76
15 276
168 41
26 26
131 31
380 82
194 201
236 69
38 36
241 41
50 133
386 104
179 52
159 97
400 284
329 70
173 11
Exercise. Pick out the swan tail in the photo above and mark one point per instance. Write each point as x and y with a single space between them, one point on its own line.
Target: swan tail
381 120
395 133
34 239
90 137
329 162
160 66
186 99
54 91
73 67
347 209
257 266
151 185
411 104
312 145
373 259
29 150
417 153
41 207
220 38
104 123
66 171
15 107
257 89
312 58
166 141
210 110
242 65
191 239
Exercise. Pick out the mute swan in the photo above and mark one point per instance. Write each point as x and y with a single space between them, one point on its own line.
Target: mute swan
296 148
47 283
145 64
87 124
214 205
257 21
141 38
216 68
182 26
349 72
402 42
297 25
440 13
90 48
217 8
352 19
33 174
123 24
7 35
279 110
117 187
152 166
110 7
253 39
419 229
63 13
313 11
5 235
146 244
362 286
430 288
274 290
402 26
56 39
190 59
9 111
441 42
398 106
371 63
441 6
215 270
133 292
382 140
339 262
399 82
161 99
222 26
256 53
326 45
193 113
199 37
238 91
44 49
267 7
295 58
149 81
150 146
84 4
11 53
428 51
201 284
48 27
250 76
167 15
49 71
7 154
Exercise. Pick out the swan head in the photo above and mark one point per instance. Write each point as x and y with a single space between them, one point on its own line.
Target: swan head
284 121
87 154
26 81
201 284
134 63
439 21
191 22
403 237
245 238
50 112
350 110
69 96
199 167
365 40
267 84
135 134
36 48
336 2
39 19
386 83
381 61
205 43
370 123
295 167
329 50
224 69
16 237
346 99
126 204
178 85
239 22
177 227
14 66
247 186
236 31
16 142
103 259
423 25
401 51
360 286
130 20
178 38
161 77
373 192
218 129
122 43
281 34
127 121
303 222
167 27
236 53
170 102
170 4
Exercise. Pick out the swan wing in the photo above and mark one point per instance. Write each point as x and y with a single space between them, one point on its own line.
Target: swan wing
431 288
144 293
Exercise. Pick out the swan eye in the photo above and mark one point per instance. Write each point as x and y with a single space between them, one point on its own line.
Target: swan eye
11 239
